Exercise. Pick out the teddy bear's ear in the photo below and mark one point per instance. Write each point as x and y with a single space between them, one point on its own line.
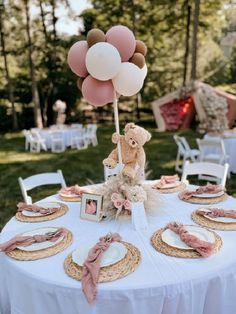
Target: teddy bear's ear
129 126
148 136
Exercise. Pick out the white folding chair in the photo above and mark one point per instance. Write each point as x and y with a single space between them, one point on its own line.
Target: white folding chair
78 139
211 171
111 172
184 152
91 134
212 150
37 137
34 181
27 139
57 141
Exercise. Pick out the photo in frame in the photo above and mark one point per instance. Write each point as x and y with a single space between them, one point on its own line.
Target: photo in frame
91 206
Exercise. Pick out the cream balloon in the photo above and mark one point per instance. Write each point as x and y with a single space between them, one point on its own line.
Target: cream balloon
103 61
129 80
144 71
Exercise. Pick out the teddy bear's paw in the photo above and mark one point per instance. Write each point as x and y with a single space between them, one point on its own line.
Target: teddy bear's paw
109 163
128 172
115 138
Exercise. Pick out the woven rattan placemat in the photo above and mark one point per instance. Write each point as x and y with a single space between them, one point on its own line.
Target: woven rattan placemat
208 223
60 212
206 201
166 249
70 199
31 256
176 189
109 273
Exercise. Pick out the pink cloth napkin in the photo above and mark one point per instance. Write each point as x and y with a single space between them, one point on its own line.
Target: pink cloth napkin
209 188
217 212
19 240
204 248
35 208
75 189
91 267
165 180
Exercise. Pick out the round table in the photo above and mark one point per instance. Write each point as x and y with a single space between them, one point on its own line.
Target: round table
161 284
66 132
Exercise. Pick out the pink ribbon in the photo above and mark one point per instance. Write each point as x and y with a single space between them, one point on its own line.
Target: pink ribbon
75 189
166 180
209 188
35 208
216 212
92 265
19 240
204 248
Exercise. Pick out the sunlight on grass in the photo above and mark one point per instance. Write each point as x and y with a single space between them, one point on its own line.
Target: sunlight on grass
16 157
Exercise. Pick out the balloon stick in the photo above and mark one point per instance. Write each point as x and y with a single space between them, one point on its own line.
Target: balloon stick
116 116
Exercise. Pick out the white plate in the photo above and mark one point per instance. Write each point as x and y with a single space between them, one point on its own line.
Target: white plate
209 195
218 219
70 195
173 239
114 254
170 185
42 245
41 204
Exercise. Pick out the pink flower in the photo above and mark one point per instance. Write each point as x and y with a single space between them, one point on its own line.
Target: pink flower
115 197
118 204
127 204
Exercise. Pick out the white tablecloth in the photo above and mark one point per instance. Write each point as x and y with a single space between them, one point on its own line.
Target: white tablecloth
230 148
66 134
161 284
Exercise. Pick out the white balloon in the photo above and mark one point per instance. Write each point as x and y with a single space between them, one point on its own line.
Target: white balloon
103 61
129 80
144 71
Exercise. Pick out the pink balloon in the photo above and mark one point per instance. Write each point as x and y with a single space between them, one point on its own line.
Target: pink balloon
76 58
123 39
97 93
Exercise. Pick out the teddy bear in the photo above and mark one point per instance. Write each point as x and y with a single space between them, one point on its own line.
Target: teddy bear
133 154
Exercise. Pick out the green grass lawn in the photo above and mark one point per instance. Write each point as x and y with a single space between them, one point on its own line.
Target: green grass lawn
77 166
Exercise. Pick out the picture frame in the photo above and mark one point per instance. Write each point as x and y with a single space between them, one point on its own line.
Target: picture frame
91 206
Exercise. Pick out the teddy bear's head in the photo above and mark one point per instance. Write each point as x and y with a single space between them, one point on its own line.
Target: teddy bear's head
136 136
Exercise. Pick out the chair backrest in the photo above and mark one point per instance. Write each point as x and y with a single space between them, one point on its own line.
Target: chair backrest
40 179
215 145
181 143
206 168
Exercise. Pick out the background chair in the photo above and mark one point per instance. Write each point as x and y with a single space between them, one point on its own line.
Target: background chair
211 171
184 152
212 150
78 139
57 141
91 134
34 181
33 141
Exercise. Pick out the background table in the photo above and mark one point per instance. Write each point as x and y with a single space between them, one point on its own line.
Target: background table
66 132
161 284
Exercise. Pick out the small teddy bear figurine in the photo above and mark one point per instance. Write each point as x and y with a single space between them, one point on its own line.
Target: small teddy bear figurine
133 154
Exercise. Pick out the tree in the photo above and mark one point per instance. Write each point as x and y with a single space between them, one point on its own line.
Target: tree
35 94
194 40
8 77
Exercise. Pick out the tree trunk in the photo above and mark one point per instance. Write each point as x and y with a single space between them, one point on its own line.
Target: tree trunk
7 73
186 55
35 94
194 40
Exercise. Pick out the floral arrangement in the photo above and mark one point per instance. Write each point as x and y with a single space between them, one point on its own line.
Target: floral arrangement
59 106
119 194
215 107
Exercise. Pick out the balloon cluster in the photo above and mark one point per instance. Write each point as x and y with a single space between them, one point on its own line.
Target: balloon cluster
108 64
